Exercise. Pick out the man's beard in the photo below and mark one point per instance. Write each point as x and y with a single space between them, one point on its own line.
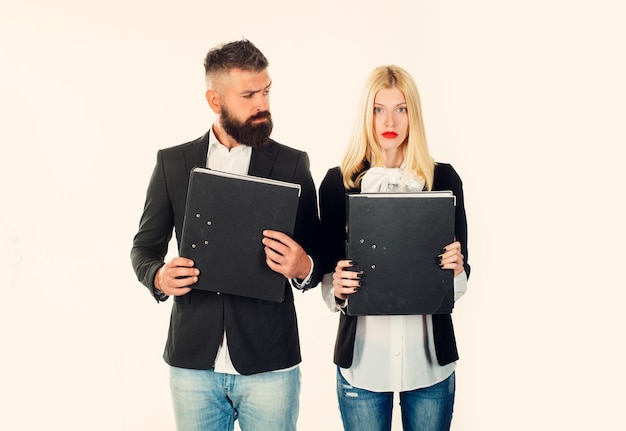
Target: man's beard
248 133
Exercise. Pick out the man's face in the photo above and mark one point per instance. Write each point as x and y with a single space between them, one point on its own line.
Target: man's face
245 114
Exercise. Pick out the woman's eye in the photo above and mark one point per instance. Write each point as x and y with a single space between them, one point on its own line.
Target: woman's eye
378 110
402 110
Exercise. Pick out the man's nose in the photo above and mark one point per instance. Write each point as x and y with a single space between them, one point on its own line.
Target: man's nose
262 103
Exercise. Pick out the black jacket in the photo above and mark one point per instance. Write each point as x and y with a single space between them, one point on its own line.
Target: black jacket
262 335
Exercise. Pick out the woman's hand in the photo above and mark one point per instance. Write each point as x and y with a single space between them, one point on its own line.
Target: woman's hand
345 282
452 258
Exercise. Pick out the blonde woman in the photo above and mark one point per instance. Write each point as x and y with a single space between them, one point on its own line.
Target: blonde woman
377 356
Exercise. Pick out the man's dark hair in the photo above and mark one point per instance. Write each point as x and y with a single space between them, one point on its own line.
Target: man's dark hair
241 54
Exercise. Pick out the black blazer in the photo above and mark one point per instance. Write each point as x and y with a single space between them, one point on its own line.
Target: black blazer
262 335
333 218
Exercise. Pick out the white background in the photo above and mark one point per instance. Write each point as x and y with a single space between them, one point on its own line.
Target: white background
525 99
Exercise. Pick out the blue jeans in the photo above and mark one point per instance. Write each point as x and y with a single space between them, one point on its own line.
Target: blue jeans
208 401
427 409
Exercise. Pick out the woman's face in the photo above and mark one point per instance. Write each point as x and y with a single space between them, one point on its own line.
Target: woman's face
391 119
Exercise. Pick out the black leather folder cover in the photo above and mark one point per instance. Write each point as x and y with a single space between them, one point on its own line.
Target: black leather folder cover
224 221
395 238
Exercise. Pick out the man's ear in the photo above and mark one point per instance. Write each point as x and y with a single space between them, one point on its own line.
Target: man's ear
215 102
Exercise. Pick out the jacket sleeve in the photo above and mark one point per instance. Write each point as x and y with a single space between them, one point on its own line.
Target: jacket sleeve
155 230
333 218
460 218
307 228
446 178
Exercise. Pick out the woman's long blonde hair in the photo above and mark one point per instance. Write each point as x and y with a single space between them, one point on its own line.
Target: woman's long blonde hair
363 151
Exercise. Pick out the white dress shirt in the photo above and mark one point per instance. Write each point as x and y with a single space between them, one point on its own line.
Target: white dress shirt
235 161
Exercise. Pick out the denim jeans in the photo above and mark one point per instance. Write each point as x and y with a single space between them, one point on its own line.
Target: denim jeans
426 409
208 401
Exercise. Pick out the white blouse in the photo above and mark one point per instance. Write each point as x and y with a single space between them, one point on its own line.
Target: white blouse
393 353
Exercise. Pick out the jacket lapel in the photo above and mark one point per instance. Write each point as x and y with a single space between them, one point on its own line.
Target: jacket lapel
262 160
196 153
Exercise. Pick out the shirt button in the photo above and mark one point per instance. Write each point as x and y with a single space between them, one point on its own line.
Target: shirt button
396 353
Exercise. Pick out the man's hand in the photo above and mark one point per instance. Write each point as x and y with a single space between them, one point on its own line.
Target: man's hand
285 256
174 277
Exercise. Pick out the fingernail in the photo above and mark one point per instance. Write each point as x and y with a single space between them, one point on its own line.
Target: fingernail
443 250
438 260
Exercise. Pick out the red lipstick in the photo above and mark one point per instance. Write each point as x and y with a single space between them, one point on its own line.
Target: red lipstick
389 135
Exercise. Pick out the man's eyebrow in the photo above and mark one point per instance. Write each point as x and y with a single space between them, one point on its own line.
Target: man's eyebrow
251 92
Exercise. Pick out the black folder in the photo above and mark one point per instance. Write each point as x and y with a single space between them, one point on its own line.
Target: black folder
395 238
225 217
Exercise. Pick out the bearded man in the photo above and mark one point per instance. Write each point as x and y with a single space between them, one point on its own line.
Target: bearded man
230 357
